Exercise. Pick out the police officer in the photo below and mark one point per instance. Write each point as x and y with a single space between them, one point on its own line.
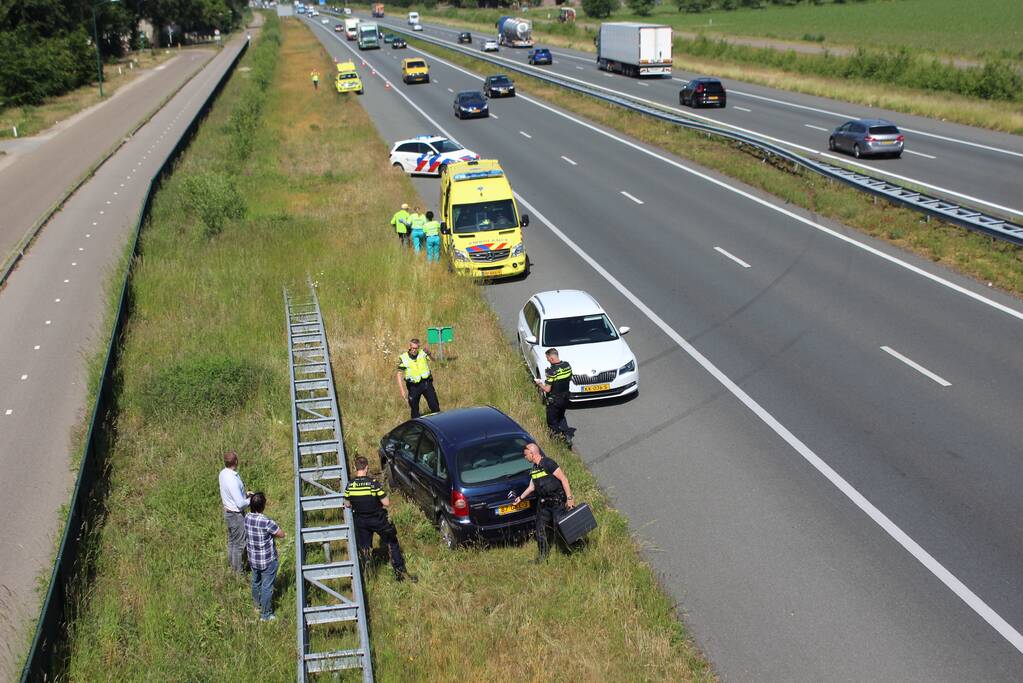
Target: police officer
400 221
369 502
431 229
555 386
416 221
415 379
553 495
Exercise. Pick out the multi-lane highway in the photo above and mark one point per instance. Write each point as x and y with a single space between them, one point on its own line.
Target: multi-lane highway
822 462
966 164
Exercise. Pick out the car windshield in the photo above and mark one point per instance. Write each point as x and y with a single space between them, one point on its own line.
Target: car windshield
347 76
884 130
443 146
498 215
583 329
470 98
500 458
416 65
499 80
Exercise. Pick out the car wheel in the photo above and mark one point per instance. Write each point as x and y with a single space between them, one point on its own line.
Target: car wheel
398 166
447 534
427 80
359 92
722 105
856 151
897 155
831 144
681 100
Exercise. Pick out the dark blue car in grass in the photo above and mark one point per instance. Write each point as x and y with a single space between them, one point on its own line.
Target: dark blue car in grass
540 55
463 467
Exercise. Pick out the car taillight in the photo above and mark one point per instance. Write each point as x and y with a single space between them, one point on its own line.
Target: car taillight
870 138
699 88
460 504
901 138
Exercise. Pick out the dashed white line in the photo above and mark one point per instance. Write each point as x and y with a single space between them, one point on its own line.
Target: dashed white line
48 322
807 125
731 256
36 347
629 196
569 161
8 411
645 85
56 301
580 68
741 108
450 90
919 154
916 366
494 116
525 134
66 281
24 377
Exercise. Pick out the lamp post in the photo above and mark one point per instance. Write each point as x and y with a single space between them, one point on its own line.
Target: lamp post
95 40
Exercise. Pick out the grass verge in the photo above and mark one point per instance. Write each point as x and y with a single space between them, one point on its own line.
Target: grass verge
750 68
993 261
318 193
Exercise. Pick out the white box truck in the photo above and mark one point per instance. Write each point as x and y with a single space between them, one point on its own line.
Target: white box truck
351 28
634 49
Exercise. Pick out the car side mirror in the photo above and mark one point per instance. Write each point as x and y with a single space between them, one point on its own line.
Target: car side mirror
525 220
444 228
530 339
624 330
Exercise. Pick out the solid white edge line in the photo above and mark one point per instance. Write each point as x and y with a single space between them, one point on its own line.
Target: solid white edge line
971 599
732 256
638 201
569 160
758 200
916 366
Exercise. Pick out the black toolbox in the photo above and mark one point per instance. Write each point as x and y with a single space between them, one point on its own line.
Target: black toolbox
576 523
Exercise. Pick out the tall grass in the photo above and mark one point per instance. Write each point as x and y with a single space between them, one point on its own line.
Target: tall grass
319 193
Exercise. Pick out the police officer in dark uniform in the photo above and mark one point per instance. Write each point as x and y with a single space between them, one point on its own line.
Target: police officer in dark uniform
369 502
555 386
553 495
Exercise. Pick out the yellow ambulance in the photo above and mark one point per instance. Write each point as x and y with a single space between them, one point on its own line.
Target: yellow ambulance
348 78
481 229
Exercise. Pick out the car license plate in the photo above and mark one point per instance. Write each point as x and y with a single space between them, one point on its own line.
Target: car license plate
712 97
508 509
596 387
888 142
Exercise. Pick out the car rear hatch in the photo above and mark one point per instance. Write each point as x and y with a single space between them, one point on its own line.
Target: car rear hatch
883 136
710 91
490 474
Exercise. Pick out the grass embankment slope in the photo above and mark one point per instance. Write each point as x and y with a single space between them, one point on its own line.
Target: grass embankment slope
992 261
914 81
205 369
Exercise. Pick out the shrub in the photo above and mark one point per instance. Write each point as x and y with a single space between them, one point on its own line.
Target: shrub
201 386
599 9
215 198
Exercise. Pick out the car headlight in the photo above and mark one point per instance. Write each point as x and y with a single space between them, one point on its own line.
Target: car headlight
519 249
628 367
461 255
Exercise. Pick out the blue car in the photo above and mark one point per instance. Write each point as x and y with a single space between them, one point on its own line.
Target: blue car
463 467
540 55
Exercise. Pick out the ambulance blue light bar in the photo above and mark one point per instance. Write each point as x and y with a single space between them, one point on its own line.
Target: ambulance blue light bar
474 175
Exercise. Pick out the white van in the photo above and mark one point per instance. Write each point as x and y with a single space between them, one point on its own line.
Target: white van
413 18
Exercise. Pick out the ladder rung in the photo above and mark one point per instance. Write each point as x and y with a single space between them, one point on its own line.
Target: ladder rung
324 572
325 534
321 473
334 661
334 502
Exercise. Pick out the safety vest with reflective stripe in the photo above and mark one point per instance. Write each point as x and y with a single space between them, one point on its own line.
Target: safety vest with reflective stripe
400 221
432 228
416 369
418 220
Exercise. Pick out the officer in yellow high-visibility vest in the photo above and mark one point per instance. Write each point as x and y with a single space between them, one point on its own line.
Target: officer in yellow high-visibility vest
401 221
432 231
416 223
315 75
415 379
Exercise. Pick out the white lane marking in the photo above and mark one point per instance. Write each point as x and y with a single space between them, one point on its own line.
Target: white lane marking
102 212
645 85
24 377
74 263
762 202
916 366
569 160
807 125
525 134
36 347
81 248
629 196
8 411
580 68
95 223
972 600
450 90
48 322
66 281
908 130
88 235
741 108
108 201
494 116
731 256
919 154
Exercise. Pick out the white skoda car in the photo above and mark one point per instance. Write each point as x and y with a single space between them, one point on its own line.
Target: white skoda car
603 365
428 154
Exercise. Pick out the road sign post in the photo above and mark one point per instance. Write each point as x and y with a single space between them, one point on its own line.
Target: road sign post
439 336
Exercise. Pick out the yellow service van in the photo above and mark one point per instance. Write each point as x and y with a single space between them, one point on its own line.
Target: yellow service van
415 70
348 78
481 231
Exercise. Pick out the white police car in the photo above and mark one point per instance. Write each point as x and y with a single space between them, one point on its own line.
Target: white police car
603 365
428 154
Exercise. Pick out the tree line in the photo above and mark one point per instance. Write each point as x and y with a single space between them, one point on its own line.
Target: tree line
47 45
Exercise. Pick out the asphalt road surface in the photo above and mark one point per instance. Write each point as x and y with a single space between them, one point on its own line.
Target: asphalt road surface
822 460
966 164
51 323
37 171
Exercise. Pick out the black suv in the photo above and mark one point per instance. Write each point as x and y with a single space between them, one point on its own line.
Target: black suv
498 85
464 37
702 92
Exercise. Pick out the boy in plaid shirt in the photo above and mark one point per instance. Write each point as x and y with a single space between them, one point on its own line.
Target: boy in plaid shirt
261 532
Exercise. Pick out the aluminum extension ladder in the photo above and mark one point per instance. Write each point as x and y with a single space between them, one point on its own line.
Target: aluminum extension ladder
330 603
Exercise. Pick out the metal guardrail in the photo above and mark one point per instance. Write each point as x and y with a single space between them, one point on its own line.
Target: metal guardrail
931 206
49 642
328 579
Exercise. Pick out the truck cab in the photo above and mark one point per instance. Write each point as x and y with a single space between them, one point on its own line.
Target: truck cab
413 18
351 29
481 229
369 36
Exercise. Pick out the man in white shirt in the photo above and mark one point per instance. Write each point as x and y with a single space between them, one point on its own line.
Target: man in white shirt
234 499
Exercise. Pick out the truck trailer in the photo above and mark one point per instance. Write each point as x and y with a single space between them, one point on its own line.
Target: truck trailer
378 10
514 32
634 49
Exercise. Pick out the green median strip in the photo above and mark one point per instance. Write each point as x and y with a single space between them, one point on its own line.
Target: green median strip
282 184
993 262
